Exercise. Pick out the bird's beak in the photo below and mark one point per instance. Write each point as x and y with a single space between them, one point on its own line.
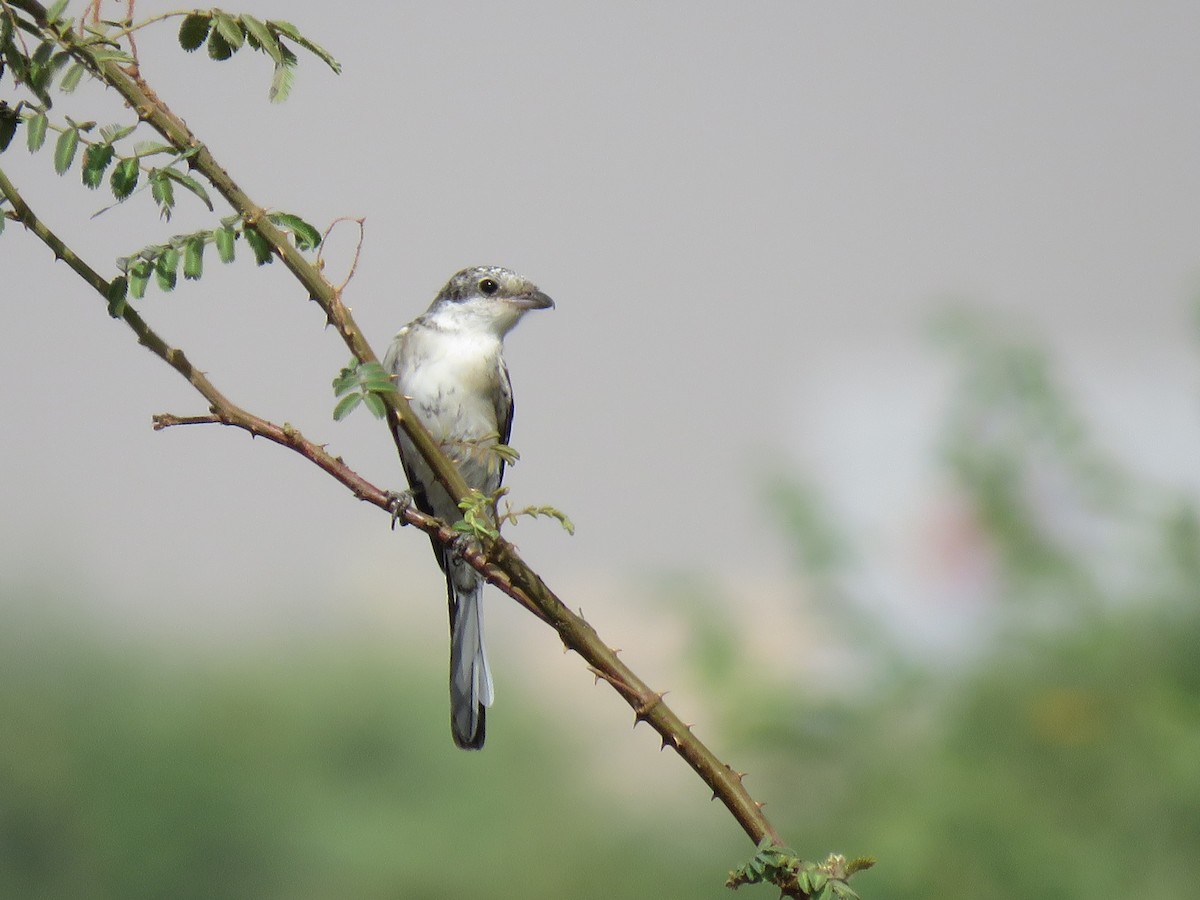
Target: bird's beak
532 300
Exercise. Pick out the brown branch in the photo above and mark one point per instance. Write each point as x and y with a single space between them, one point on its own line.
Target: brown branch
499 561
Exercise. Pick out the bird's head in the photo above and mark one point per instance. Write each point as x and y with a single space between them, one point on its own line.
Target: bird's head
486 298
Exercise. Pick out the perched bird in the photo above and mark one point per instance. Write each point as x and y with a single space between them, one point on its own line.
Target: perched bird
448 362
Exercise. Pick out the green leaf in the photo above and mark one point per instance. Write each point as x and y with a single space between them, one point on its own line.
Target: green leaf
477 508
71 80
15 58
39 66
162 191
193 259
64 150
346 379
290 30
306 236
281 82
43 70
190 183
59 61
262 38
374 377
139 277
230 29
36 134
81 127
55 11
375 404
96 158
218 47
263 254
166 268
150 148
117 290
113 133
124 177
224 237
194 30
106 54
3 221
346 406
42 54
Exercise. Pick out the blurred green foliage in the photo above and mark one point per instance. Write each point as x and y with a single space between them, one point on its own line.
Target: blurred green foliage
1062 759
303 768
1059 757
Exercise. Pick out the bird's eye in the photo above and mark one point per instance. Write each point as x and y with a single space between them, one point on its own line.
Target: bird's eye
488 286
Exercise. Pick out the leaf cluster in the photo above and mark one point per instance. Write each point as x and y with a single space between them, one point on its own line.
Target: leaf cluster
552 512
479 515
162 261
361 383
225 34
125 168
37 70
780 866
58 63
48 66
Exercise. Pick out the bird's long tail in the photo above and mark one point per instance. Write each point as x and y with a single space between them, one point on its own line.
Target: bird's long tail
470 678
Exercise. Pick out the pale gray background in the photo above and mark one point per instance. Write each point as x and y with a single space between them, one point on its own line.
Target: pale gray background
745 213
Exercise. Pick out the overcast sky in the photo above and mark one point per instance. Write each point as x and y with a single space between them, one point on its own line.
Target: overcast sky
745 213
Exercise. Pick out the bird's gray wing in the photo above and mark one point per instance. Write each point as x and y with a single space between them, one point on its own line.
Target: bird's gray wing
393 362
504 409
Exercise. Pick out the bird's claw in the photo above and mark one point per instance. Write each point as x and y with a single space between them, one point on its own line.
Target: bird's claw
465 546
399 502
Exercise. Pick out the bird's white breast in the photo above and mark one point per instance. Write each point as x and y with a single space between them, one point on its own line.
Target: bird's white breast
451 380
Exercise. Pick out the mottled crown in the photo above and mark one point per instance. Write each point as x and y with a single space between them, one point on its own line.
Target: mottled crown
485 281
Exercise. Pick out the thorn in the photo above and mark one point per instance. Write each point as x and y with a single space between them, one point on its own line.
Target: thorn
758 805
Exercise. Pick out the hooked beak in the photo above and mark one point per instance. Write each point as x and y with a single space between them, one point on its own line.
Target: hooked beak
532 300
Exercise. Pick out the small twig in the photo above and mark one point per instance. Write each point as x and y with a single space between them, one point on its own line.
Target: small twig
361 222
166 420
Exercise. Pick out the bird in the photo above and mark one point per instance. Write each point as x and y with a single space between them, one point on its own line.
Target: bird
449 365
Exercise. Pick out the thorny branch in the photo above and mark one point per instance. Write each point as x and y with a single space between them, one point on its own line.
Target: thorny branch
498 560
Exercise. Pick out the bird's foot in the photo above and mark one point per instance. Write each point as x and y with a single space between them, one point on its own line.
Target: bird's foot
465 547
399 502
